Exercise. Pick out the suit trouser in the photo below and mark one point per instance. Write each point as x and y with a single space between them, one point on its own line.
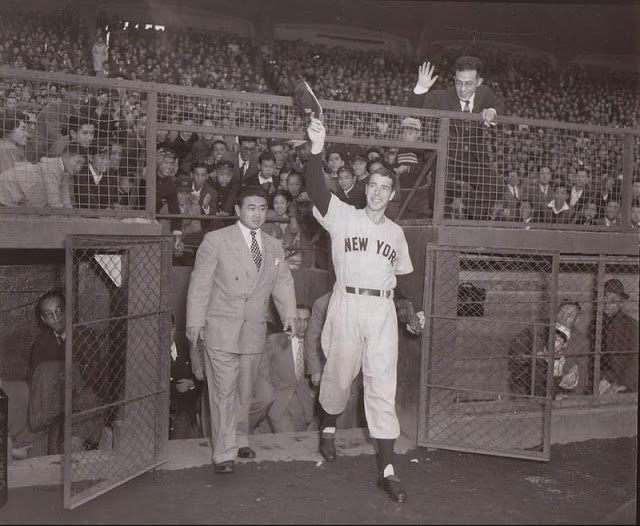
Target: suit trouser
230 378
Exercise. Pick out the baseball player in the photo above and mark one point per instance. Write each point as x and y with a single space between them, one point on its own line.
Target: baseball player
361 329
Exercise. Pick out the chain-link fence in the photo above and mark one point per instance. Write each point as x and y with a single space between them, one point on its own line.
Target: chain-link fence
510 173
118 357
512 334
525 175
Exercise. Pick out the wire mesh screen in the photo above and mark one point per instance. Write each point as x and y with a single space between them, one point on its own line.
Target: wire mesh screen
117 404
73 145
603 344
486 381
521 175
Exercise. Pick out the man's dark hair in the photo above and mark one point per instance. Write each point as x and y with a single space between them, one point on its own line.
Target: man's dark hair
54 293
284 193
219 141
77 120
199 164
299 176
303 306
266 156
250 191
346 168
275 142
11 120
381 161
470 63
244 138
385 172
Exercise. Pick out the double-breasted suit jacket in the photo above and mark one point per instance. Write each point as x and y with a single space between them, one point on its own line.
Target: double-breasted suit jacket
229 297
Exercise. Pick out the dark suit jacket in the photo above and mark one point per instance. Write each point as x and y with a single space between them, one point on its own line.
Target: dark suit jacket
88 194
466 138
447 100
356 196
283 378
253 169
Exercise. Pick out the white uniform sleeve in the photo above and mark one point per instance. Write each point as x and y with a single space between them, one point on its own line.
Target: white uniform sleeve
403 264
338 213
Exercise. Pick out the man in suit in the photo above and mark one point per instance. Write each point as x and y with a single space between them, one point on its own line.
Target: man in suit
245 160
265 177
237 269
539 192
294 397
467 159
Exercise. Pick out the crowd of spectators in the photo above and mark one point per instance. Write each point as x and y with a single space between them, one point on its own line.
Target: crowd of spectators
109 126
531 85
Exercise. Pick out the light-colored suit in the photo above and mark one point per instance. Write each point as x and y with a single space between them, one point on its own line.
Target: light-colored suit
229 298
294 400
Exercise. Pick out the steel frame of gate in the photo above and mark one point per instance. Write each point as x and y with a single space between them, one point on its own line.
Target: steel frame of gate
108 469
427 388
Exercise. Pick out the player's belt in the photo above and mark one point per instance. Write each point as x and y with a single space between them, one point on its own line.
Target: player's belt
370 292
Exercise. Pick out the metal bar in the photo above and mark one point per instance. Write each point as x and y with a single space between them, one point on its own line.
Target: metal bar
415 186
493 453
150 144
282 100
627 183
553 310
105 489
426 343
441 173
597 348
68 383
124 401
116 318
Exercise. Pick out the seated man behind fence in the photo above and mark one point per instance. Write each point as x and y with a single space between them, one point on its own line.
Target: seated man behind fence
525 373
47 381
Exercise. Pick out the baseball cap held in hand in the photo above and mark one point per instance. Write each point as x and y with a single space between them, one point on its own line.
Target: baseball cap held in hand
306 101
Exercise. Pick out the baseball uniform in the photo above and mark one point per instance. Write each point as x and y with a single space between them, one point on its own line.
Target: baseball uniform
361 330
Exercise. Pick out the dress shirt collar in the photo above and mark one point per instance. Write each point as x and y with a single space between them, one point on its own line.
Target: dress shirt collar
262 180
96 176
246 233
564 208
471 101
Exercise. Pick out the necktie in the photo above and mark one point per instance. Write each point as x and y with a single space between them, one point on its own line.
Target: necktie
299 362
467 108
245 166
255 250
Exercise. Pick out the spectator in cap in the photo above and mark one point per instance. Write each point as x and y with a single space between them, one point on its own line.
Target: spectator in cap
226 189
184 249
408 166
619 353
166 195
359 162
95 187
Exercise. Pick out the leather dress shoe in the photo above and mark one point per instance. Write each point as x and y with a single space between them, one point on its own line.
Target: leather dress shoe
391 486
224 467
246 452
328 446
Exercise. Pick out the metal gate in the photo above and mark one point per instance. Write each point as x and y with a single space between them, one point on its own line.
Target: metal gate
117 361
485 386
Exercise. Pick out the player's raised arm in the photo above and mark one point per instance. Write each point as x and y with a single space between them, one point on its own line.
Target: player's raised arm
316 186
